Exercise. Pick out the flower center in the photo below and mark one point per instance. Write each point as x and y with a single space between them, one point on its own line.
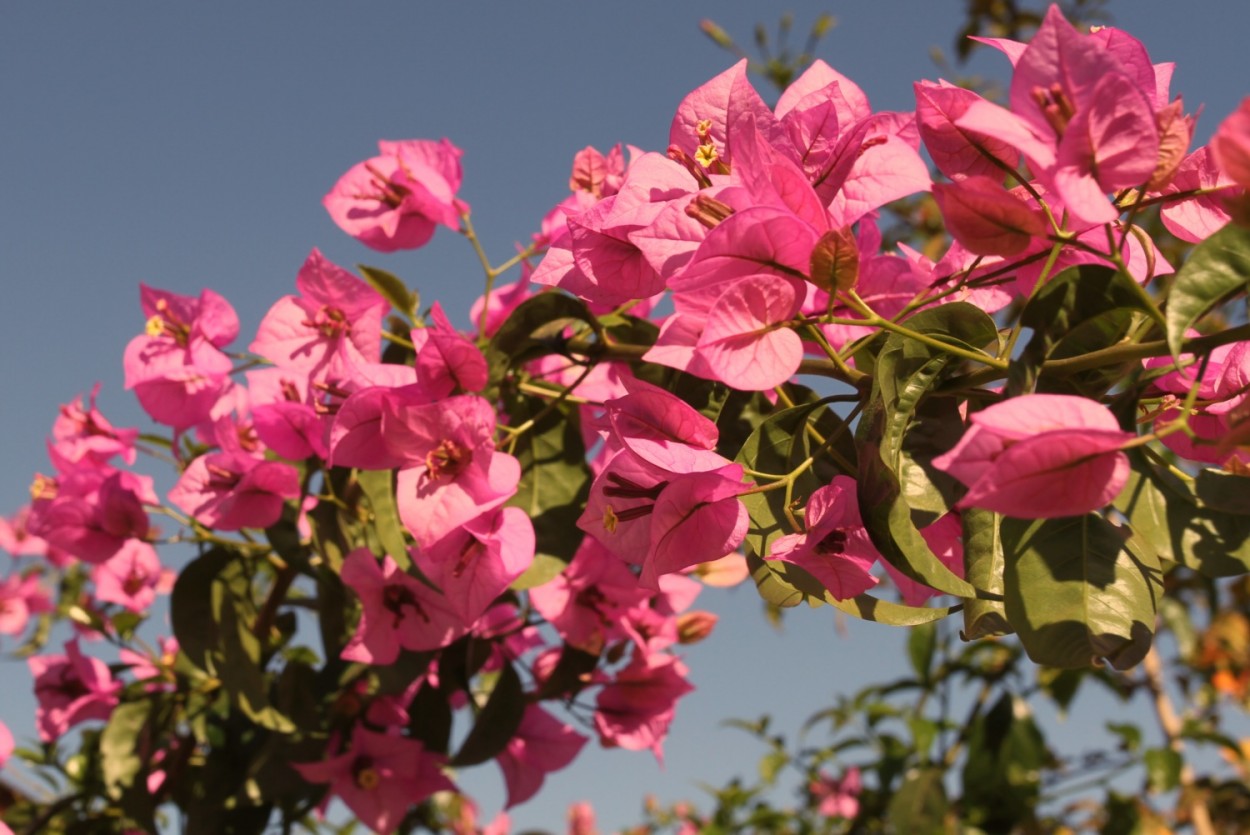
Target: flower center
364 775
396 598
330 322
833 543
167 323
388 191
447 459
1056 107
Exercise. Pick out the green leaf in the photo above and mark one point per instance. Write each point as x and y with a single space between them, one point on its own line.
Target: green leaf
1164 510
1123 815
1093 334
239 667
533 330
212 612
1223 491
777 447
1060 685
785 585
906 370
936 427
983 568
1130 735
191 609
919 806
1217 268
570 674
921 646
882 505
771 765
120 762
497 723
1076 593
1002 774
555 480
392 289
430 719
379 490
1070 300
1163 769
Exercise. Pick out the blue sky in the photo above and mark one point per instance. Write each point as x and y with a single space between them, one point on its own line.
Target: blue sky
189 146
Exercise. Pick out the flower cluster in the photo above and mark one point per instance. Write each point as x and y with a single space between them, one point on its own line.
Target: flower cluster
508 527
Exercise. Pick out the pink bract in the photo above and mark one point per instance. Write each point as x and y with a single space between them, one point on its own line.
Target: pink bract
230 491
396 611
130 577
542 744
1040 456
634 710
379 777
394 201
71 688
327 332
835 549
6 744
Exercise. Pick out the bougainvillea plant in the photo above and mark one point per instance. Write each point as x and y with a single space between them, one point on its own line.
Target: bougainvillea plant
710 369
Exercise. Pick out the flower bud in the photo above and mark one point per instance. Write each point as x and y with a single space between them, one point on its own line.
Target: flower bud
693 627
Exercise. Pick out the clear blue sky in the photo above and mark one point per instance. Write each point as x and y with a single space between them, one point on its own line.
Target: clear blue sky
189 146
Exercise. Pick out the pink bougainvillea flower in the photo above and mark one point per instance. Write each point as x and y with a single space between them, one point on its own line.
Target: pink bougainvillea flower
396 611
598 260
379 777
1230 151
697 518
284 414
835 549
662 520
582 819
634 709
176 368
956 151
542 744
331 328
394 201
1083 113
230 491
662 429
84 436
355 437
1231 145
1040 456
594 176
476 562
837 797
129 578
6 744
451 471
988 219
71 688
16 538
91 513
1202 211
587 602
448 362
701 126
20 597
